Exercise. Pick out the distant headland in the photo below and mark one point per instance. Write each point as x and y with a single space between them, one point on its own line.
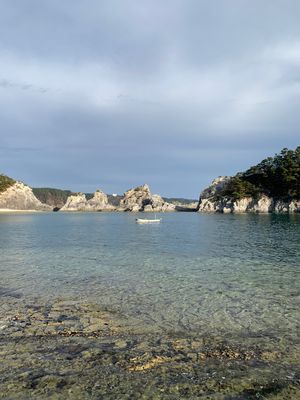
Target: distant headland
273 185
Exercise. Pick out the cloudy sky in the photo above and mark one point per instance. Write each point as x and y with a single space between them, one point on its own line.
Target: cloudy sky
113 93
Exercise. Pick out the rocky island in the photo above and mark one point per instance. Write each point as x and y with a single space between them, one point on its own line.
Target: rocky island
273 185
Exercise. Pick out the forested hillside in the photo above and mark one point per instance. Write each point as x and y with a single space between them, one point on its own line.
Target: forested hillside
277 177
52 197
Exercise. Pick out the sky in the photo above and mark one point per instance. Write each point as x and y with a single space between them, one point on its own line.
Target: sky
113 94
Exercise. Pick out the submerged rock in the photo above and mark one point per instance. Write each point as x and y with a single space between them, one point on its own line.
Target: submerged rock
21 197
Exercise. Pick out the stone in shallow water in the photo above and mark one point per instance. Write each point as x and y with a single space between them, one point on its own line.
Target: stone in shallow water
121 344
60 361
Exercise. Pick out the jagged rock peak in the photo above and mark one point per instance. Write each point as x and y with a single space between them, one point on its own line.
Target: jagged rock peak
215 187
99 202
99 199
141 199
75 202
79 202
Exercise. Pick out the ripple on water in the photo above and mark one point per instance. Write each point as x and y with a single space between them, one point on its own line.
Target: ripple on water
130 303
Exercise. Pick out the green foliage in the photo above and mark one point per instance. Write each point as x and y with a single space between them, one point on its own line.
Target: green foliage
277 176
5 182
237 188
179 200
52 197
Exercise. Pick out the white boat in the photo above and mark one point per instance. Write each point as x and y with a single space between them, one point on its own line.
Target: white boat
148 221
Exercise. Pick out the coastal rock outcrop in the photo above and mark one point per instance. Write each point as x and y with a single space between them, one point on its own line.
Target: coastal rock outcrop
79 202
282 206
212 200
99 202
272 185
136 199
75 202
141 199
215 187
20 197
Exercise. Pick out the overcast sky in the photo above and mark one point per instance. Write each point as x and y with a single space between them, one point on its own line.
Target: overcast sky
112 94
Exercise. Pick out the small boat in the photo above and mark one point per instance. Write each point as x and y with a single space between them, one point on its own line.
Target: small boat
148 221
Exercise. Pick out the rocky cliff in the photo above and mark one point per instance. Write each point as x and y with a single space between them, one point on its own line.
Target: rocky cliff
99 202
213 200
79 202
141 199
20 197
215 188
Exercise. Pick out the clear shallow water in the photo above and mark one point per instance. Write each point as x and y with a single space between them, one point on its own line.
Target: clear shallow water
204 306
234 275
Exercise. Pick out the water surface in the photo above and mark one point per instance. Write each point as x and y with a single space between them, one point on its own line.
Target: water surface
234 277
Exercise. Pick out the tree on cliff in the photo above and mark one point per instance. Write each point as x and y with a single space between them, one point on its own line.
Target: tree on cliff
5 182
277 176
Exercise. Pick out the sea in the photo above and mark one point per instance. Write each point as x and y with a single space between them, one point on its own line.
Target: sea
231 277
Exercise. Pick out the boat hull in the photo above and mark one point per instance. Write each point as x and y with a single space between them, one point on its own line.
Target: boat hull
147 221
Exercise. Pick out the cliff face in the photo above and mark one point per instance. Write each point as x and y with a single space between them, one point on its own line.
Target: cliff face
79 202
212 201
20 197
76 202
141 199
99 202
215 188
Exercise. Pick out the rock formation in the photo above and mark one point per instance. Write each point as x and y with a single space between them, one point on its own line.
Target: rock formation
141 199
211 200
79 202
99 202
20 197
75 202
215 188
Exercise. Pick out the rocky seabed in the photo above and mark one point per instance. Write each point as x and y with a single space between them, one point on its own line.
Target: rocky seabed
73 349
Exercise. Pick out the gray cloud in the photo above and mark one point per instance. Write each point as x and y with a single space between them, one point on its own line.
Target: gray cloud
114 94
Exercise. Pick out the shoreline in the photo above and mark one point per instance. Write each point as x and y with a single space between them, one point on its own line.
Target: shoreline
205 212
9 210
